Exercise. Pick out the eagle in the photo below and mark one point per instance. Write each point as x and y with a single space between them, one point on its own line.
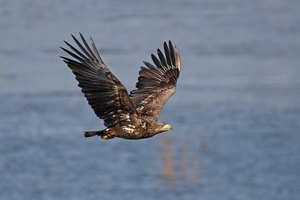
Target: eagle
126 115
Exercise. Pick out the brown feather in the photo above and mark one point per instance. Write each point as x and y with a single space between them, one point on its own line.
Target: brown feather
103 91
156 84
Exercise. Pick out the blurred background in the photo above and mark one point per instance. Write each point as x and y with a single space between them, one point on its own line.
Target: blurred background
235 114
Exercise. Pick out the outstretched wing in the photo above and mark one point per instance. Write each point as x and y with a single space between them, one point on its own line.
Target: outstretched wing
103 91
156 84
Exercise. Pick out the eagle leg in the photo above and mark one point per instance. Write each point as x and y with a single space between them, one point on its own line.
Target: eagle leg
106 137
105 134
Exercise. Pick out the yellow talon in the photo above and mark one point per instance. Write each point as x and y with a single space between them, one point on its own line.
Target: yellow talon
106 137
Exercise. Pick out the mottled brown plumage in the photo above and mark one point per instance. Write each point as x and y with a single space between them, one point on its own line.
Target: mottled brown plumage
126 115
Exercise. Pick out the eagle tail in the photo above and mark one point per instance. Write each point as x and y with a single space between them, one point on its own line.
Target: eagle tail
104 134
94 133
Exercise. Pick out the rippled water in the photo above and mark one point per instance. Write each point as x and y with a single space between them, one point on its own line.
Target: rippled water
235 114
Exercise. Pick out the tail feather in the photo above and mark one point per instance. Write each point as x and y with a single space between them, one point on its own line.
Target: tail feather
94 133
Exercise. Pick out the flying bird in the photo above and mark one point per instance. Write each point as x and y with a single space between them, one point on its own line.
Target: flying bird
126 115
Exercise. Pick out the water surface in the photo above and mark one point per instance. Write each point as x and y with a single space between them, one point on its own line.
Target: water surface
235 114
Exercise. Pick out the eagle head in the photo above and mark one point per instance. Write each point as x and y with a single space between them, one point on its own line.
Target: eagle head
162 127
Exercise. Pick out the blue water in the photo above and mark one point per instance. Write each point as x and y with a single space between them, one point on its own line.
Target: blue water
235 113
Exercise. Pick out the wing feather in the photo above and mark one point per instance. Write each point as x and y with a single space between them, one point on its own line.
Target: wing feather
103 91
157 83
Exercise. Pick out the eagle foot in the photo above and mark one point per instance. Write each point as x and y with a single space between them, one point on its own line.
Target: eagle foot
106 137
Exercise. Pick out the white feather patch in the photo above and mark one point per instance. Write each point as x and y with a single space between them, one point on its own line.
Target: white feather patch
129 130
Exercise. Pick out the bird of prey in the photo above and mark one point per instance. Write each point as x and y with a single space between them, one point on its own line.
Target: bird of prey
126 115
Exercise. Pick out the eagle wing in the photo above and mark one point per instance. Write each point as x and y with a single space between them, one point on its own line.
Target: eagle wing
157 83
103 91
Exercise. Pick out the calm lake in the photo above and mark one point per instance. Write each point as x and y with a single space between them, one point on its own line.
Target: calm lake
235 114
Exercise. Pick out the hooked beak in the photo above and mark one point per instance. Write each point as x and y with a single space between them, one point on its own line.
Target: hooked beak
167 127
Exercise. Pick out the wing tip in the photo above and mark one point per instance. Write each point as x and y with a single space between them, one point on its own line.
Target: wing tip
173 49
176 54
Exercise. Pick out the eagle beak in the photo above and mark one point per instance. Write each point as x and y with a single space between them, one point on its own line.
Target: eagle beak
167 127
163 128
